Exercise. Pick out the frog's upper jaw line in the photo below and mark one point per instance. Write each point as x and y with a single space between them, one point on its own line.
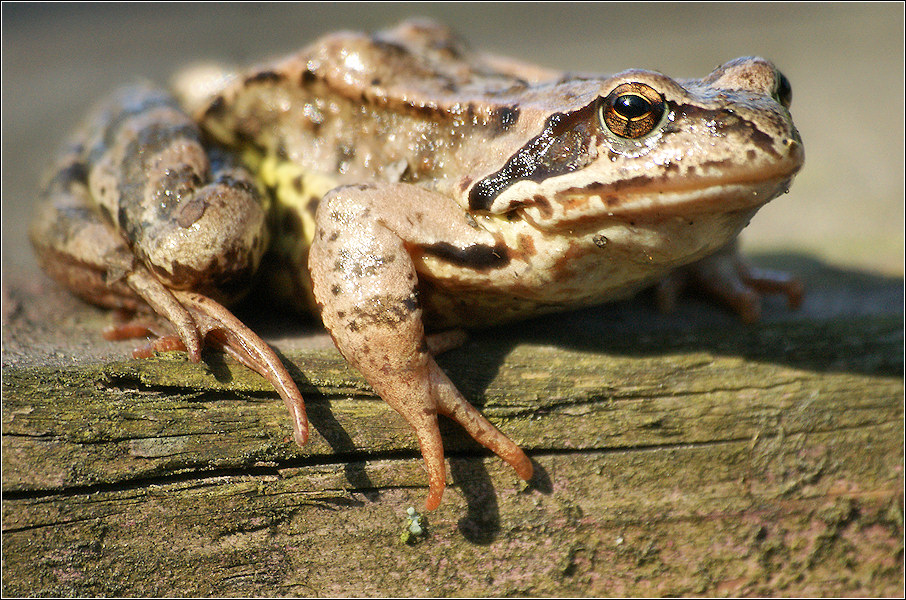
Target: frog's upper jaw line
646 197
723 195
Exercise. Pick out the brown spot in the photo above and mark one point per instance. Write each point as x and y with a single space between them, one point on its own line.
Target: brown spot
504 118
527 245
715 163
576 202
544 206
74 172
392 49
308 77
312 205
290 224
570 258
190 212
215 108
385 310
361 187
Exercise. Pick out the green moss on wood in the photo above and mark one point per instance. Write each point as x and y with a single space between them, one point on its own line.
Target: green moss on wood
762 462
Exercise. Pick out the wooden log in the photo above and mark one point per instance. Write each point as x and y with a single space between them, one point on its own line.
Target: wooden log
718 460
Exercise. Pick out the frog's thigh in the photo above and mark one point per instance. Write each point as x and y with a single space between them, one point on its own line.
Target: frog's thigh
365 281
76 246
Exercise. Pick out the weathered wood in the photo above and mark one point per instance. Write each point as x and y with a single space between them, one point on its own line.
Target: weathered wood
717 461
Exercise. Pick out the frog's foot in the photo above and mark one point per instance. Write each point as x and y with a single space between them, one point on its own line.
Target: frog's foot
419 391
220 327
199 320
141 328
451 403
732 280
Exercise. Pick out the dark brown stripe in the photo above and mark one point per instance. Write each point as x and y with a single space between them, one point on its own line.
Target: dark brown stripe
561 147
477 256
264 77
129 103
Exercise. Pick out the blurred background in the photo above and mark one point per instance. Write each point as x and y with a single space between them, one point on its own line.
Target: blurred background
845 62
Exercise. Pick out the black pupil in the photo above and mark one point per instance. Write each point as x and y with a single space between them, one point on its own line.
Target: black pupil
631 106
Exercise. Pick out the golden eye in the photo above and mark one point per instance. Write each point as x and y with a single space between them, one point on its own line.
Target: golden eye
632 110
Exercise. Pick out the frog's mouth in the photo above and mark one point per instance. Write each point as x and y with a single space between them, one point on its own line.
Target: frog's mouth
698 197
652 196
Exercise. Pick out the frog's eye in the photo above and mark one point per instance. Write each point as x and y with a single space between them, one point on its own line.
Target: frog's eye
783 91
632 110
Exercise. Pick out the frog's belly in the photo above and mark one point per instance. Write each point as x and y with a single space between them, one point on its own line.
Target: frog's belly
554 272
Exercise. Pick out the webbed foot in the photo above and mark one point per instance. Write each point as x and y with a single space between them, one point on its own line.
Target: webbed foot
201 321
733 281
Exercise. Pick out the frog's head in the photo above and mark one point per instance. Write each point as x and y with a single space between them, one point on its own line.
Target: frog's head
643 146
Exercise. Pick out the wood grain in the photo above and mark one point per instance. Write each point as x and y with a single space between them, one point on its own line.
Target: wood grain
743 461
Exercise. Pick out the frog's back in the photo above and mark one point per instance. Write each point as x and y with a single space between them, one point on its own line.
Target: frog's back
418 64
399 105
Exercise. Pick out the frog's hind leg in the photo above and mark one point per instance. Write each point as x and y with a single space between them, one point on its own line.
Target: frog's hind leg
365 282
81 250
68 227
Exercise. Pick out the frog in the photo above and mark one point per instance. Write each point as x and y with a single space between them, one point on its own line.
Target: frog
405 188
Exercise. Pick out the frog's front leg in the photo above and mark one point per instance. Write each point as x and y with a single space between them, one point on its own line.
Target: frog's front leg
728 277
366 282
135 217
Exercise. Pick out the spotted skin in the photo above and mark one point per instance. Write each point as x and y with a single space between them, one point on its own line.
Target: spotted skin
401 182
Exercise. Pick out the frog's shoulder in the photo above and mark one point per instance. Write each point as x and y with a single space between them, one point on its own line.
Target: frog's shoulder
418 63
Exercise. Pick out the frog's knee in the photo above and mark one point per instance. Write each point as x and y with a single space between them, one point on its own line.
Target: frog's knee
216 238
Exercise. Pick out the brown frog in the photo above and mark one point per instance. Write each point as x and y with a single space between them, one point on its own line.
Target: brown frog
401 181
